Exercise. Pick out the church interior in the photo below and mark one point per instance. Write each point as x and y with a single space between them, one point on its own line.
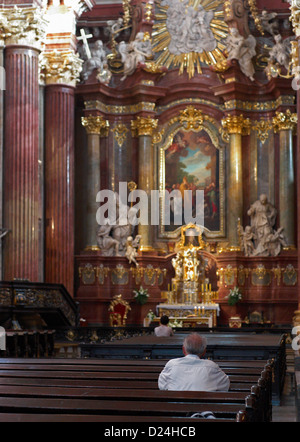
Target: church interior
149 157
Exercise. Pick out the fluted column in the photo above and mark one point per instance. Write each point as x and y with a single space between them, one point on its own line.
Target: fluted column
143 128
94 125
59 165
284 124
236 127
24 30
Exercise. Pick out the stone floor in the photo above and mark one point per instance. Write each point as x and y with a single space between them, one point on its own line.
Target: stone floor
286 412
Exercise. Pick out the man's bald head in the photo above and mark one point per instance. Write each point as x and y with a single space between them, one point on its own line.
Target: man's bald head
194 344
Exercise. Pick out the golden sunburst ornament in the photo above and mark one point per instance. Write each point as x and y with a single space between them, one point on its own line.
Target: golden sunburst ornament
188 33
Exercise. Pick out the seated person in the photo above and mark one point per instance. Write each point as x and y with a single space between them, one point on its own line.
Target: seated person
164 329
191 373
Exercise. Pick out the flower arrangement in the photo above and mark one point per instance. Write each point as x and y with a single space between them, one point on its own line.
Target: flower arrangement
150 315
234 296
141 295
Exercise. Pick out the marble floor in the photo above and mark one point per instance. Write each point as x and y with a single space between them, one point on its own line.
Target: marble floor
286 412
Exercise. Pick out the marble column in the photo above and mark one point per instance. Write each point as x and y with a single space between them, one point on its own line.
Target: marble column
144 127
94 126
21 142
284 124
59 165
236 127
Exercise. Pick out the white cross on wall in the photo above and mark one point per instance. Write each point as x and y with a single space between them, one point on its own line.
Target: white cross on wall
84 37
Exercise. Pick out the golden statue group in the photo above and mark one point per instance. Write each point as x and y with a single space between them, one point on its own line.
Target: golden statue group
191 293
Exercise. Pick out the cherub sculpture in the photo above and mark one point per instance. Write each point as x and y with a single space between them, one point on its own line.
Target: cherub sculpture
134 53
269 22
131 249
247 240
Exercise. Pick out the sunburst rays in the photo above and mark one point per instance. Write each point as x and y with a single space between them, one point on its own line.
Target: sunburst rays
190 61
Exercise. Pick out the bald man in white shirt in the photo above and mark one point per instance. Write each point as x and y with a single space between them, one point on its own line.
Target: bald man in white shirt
191 373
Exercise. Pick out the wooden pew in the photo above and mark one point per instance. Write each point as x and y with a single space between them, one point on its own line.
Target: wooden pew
10 417
42 372
118 407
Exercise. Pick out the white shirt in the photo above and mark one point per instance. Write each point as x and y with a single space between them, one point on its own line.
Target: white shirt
163 330
191 373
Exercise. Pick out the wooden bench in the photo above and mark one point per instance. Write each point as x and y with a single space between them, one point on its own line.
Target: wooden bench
14 378
119 407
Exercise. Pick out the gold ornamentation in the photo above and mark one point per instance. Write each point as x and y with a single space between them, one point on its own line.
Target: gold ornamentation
87 274
277 274
236 124
148 11
60 67
127 12
120 131
295 58
263 128
284 121
93 124
102 273
290 275
143 106
191 61
255 15
264 106
119 275
137 273
295 16
23 26
143 126
191 118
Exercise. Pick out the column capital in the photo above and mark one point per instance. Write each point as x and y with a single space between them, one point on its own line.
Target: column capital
95 125
236 124
60 67
284 121
143 126
23 26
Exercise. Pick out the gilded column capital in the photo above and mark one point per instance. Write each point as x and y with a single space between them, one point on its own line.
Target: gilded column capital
94 124
23 26
236 124
60 67
284 121
143 126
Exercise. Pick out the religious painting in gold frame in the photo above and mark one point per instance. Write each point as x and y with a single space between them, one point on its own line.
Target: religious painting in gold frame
193 159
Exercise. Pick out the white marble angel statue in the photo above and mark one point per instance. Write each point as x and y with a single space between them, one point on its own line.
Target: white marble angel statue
97 60
269 22
134 53
108 245
243 50
281 51
131 249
